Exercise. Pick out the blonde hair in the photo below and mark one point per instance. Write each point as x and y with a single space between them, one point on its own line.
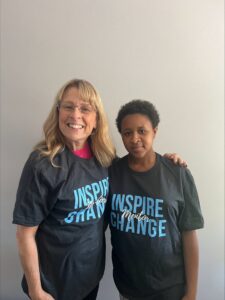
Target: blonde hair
54 141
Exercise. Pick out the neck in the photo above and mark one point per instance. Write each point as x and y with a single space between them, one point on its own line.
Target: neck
73 146
142 164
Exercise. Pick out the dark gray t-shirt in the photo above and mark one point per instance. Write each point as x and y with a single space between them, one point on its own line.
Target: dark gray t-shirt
148 212
68 203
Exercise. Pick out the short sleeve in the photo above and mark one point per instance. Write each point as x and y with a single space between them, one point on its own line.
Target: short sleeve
191 216
33 200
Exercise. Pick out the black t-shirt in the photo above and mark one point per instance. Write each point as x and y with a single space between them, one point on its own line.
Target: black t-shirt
67 202
148 212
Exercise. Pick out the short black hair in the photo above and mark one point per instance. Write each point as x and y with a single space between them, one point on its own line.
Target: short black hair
142 107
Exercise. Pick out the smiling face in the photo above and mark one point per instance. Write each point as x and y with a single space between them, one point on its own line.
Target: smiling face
138 135
77 119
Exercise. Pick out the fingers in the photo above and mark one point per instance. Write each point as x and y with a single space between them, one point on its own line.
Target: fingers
181 162
176 159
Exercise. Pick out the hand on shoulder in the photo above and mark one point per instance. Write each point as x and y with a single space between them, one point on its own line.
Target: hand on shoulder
176 159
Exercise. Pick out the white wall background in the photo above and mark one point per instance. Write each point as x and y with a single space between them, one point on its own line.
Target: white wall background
169 52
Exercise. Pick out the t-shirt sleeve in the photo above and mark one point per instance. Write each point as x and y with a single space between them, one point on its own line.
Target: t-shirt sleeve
33 202
191 216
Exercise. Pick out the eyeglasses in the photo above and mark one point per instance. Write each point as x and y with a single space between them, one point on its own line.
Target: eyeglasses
69 108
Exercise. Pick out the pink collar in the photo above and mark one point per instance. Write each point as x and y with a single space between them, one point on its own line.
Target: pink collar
85 152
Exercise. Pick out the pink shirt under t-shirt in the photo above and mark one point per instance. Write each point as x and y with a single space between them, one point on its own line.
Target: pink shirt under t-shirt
85 152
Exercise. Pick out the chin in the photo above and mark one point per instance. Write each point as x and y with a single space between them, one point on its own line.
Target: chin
138 155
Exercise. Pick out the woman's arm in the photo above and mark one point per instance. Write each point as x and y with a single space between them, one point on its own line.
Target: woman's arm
191 261
29 259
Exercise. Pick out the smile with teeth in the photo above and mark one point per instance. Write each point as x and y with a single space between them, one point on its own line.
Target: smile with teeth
75 126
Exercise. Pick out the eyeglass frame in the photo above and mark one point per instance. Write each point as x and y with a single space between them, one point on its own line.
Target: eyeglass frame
71 108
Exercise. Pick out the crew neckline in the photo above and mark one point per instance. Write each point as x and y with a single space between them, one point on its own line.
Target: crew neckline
84 152
143 172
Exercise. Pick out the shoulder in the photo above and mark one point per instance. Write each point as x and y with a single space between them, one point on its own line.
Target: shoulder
38 164
187 177
118 168
169 165
118 163
182 174
35 162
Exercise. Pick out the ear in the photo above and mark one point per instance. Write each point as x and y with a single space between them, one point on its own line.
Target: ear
155 131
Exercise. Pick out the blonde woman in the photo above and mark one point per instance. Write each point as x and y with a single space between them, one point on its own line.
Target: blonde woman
61 199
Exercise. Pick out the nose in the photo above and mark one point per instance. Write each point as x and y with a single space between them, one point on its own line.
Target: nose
76 112
135 138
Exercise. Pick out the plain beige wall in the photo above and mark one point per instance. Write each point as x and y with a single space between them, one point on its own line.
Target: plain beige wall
169 52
